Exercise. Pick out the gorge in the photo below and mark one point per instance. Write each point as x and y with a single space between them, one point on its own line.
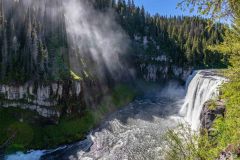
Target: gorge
105 79
135 132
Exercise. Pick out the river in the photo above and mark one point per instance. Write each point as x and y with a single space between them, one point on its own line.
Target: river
136 131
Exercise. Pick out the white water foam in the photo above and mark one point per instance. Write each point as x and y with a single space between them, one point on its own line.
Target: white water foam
33 155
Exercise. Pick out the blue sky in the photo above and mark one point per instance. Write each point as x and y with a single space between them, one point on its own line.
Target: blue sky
163 7
168 7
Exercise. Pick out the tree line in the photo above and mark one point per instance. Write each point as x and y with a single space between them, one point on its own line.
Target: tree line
32 41
34 46
183 39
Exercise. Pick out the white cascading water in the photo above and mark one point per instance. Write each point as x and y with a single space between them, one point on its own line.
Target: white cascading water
202 86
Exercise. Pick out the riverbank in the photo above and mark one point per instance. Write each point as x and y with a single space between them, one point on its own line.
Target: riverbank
132 132
32 133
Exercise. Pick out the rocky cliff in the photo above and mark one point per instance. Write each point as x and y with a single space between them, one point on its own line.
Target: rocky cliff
211 110
159 67
44 99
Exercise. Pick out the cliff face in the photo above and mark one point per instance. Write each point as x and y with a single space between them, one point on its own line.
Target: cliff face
43 99
159 67
211 110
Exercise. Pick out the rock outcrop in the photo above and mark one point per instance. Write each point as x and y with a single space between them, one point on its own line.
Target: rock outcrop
211 110
158 68
230 153
40 98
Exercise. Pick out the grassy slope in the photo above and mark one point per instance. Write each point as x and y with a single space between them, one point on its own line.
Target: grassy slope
31 135
228 128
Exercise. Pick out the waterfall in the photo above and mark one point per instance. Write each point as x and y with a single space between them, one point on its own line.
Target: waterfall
201 87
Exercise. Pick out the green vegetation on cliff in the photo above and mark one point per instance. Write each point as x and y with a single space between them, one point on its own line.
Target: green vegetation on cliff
228 128
29 131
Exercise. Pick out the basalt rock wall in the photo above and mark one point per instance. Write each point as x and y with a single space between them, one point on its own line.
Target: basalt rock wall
48 100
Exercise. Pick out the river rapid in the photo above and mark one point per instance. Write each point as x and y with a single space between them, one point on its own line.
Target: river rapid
136 131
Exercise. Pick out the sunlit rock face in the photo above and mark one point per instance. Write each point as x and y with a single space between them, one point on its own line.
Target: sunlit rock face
40 98
158 67
211 110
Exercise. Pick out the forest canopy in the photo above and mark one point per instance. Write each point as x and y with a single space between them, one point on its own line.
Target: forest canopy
34 44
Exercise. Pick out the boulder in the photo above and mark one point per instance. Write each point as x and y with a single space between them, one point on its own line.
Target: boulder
230 153
211 110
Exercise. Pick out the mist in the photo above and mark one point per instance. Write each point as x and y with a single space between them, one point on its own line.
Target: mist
172 90
94 36
96 42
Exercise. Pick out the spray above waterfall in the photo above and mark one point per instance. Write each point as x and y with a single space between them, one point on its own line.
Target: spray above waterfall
95 36
76 36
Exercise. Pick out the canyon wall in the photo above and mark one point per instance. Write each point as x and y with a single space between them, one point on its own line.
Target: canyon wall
43 99
159 68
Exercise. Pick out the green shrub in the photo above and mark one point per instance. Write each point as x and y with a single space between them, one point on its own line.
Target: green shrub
23 132
182 143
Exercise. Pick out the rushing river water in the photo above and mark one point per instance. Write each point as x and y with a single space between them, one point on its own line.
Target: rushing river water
131 133
135 132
